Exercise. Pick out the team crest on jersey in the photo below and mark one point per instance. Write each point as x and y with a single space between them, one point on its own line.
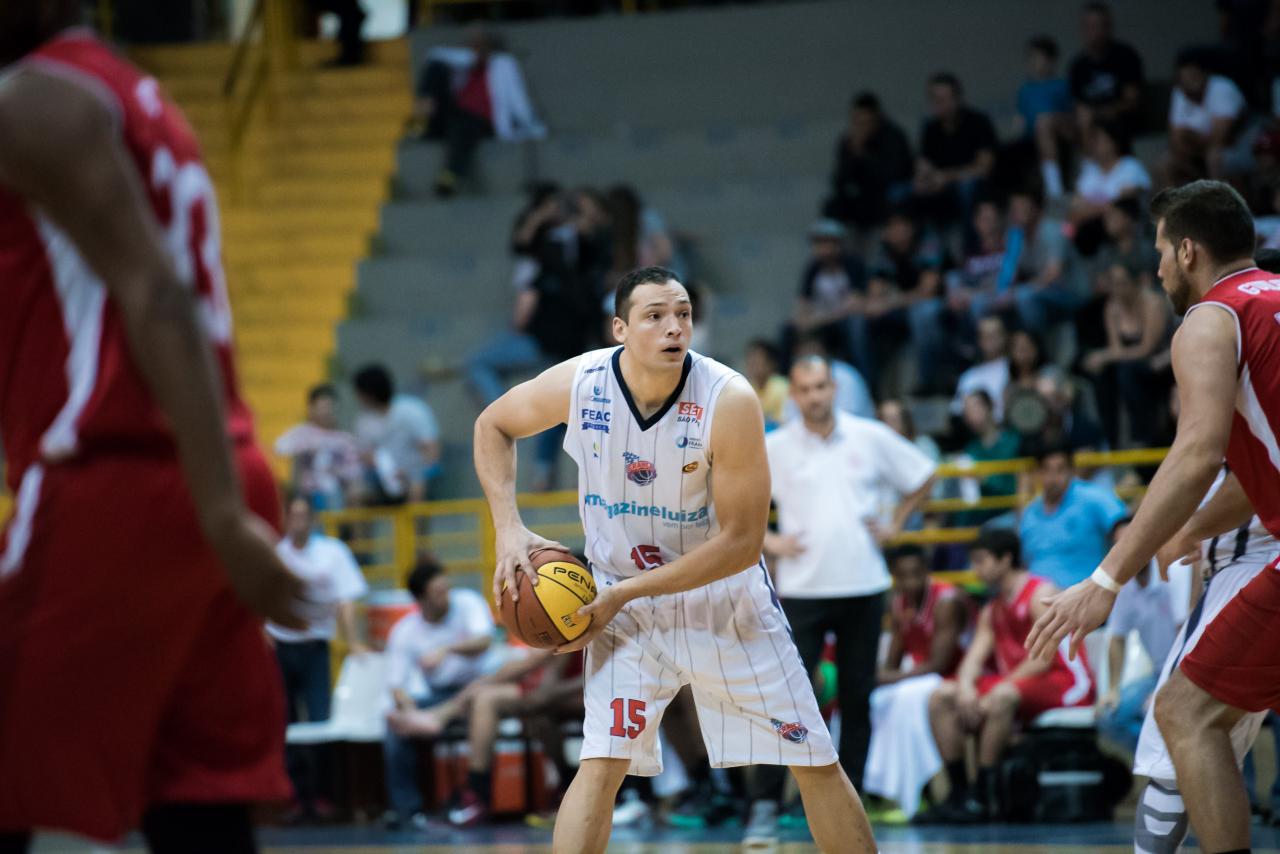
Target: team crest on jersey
640 472
796 732
689 411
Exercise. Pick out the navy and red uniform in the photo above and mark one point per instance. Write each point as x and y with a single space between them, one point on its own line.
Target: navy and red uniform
1066 683
130 673
1237 660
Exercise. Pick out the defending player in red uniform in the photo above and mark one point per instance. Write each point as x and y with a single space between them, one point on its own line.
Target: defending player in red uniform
1226 358
135 681
988 704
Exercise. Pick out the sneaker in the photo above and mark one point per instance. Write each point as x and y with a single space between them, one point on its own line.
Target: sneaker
470 811
762 826
631 811
541 820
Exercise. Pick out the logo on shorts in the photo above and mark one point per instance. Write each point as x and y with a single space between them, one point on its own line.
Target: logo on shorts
690 468
640 472
689 442
796 733
689 411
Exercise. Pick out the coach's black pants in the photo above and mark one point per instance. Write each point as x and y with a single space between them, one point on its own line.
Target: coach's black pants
856 623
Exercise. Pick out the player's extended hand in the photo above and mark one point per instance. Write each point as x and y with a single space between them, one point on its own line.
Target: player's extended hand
246 546
606 605
514 546
1075 611
1181 547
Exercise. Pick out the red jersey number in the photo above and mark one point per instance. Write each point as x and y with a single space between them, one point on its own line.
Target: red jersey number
646 557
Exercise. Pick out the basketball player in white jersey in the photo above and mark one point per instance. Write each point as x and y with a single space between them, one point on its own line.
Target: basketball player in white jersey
674 498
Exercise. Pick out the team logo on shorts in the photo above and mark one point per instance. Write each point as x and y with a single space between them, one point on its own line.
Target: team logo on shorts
795 732
640 472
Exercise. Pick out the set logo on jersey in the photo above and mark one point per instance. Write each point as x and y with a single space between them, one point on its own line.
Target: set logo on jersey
640 472
596 419
688 412
690 442
796 732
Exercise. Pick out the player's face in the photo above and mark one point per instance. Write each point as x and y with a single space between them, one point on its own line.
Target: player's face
298 520
814 391
989 569
435 599
659 325
910 576
1173 278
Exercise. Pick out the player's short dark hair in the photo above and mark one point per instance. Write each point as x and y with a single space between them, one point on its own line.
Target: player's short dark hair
1000 542
866 101
422 574
633 280
375 383
321 390
1044 450
1045 45
1209 212
897 553
1268 259
947 78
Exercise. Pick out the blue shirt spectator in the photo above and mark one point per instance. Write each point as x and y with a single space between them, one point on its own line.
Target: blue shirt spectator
1066 529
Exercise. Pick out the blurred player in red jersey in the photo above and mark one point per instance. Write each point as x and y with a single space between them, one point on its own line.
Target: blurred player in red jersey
1226 358
135 681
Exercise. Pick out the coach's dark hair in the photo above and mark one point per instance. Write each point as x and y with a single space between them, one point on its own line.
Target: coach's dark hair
946 78
1268 259
1045 45
426 569
374 381
897 553
633 280
1001 542
1209 212
322 390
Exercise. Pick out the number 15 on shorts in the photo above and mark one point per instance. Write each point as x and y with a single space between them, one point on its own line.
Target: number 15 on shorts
633 724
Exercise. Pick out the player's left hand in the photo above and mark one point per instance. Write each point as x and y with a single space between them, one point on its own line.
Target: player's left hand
606 605
1075 611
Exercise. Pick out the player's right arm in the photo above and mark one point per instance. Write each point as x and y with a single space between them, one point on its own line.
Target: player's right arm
975 657
61 150
1226 511
526 410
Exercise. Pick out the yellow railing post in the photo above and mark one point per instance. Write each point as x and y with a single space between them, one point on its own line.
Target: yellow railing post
405 547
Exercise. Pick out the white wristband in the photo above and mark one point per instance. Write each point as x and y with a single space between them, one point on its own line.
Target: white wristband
1104 580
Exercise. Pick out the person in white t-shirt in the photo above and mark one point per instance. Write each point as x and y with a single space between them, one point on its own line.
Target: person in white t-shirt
992 373
829 470
432 654
1207 137
334 585
399 436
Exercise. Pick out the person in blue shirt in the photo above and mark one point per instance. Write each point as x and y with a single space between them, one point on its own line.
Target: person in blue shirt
1044 110
1066 529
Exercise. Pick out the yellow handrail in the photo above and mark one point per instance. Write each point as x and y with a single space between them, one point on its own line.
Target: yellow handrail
460 531
268 31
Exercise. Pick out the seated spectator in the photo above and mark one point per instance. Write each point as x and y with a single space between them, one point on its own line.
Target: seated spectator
928 619
974 279
1144 605
351 18
325 461
1033 279
1106 76
761 370
990 443
1066 528
334 584
957 153
467 94
1044 111
852 395
986 705
873 167
1064 419
640 236
1208 115
539 687
990 375
1132 372
1127 244
832 297
399 438
904 295
432 655
895 414
1109 174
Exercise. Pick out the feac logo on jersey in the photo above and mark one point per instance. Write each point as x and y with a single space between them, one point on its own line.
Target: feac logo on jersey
640 472
596 419
689 411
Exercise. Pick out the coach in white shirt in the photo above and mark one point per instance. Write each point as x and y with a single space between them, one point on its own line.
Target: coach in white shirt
829 471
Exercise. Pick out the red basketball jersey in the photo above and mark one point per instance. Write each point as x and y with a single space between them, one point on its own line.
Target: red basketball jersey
1011 623
1252 297
68 382
917 626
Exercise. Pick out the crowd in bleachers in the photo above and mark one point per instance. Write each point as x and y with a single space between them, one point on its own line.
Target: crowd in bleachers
1000 284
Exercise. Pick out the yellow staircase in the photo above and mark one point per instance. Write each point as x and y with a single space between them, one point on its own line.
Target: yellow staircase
299 201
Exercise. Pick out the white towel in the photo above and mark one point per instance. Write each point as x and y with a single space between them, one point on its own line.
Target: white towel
902 756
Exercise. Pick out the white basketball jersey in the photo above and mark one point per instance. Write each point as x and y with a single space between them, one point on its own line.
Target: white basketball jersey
644 486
